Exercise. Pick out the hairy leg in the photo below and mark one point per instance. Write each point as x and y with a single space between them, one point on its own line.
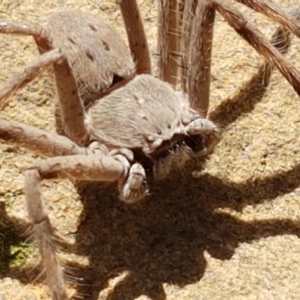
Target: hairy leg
12 27
44 142
27 74
37 32
200 57
198 19
187 20
72 111
274 12
94 167
256 39
136 35
168 40
70 104
83 167
281 40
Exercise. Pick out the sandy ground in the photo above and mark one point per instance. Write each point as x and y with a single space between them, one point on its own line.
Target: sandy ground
231 233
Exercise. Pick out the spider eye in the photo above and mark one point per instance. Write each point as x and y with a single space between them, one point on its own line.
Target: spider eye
158 131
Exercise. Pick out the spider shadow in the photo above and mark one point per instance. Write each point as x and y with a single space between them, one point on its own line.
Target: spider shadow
163 239
244 100
14 245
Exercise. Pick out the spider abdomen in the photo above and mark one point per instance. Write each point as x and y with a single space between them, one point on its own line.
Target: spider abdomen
95 51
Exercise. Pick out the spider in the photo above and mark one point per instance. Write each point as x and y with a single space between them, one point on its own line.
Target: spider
118 122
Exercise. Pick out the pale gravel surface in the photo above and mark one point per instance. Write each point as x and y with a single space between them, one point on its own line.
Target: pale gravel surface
230 234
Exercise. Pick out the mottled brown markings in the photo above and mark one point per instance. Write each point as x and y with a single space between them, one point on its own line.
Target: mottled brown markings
89 55
106 47
93 27
72 41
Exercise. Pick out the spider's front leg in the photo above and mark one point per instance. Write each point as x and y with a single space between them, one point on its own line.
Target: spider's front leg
38 140
133 185
93 167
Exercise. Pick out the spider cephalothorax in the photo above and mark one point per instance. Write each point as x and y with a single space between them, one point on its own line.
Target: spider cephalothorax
158 127
117 121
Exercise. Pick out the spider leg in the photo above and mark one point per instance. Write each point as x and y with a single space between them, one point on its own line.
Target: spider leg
198 77
94 167
256 39
70 104
187 21
40 141
11 27
83 167
281 40
27 74
287 18
37 32
168 40
277 14
136 35
72 111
